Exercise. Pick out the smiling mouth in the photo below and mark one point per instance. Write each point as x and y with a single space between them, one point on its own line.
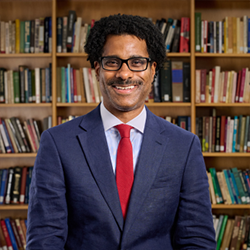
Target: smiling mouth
124 88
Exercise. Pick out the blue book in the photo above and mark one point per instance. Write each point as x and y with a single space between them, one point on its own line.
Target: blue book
235 188
7 136
72 85
232 186
11 234
234 134
68 83
28 182
211 36
247 181
248 36
3 185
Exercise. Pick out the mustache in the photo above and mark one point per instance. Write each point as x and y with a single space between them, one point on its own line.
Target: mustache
121 82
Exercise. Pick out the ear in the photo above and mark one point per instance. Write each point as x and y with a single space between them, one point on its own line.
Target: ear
153 70
97 69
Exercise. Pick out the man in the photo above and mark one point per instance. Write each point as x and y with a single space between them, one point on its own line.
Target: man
76 198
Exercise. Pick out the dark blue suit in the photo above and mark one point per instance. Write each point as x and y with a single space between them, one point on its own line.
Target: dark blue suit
74 202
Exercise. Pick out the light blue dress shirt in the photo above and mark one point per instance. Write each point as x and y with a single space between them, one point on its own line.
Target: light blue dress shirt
113 135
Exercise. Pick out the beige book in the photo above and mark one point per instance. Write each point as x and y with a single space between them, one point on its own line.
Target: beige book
78 25
216 83
238 34
246 87
197 85
229 79
211 188
222 187
95 83
227 235
29 137
230 35
221 88
229 201
234 35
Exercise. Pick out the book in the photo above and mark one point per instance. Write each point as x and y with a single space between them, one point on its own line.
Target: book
11 233
177 81
6 234
70 25
227 234
221 232
166 82
184 35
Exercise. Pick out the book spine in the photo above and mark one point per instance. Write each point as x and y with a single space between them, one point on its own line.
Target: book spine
11 234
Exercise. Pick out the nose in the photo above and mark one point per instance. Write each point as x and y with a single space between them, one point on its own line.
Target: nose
124 72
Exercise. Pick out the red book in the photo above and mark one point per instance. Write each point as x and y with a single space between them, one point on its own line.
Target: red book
238 86
92 23
6 234
222 133
2 239
91 84
203 85
23 185
242 85
213 83
16 234
184 35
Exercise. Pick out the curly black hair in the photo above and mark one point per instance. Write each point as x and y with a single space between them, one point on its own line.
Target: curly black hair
140 27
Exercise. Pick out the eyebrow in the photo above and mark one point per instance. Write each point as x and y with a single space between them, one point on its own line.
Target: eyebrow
133 56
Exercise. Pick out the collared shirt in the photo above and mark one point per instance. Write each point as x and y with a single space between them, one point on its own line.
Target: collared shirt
113 135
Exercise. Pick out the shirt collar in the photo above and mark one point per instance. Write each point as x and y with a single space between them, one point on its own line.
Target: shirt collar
109 120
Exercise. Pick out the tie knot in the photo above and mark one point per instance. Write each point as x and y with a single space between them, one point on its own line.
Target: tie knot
124 130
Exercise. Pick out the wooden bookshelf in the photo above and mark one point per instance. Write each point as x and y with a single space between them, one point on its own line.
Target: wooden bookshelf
211 10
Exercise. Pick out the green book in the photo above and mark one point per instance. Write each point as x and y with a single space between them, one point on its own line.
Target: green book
217 191
63 85
197 32
221 233
246 134
16 86
27 37
22 36
239 185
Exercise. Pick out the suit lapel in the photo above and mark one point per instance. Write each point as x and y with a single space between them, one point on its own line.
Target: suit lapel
152 148
93 141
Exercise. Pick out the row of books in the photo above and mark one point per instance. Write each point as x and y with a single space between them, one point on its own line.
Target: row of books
26 85
216 86
230 35
229 186
17 137
31 36
13 234
77 85
172 83
224 133
232 233
176 33
71 34
15 185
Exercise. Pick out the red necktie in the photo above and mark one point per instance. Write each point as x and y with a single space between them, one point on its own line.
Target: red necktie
124 167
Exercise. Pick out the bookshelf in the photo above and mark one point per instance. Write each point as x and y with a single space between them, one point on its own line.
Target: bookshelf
211 10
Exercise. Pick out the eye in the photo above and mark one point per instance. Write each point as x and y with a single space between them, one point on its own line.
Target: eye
137 62
111 62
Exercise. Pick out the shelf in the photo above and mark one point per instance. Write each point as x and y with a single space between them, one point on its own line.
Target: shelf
27 105
154 104
85 55
221 55
13 207
223 206
18 155
206 154
23 55
222 105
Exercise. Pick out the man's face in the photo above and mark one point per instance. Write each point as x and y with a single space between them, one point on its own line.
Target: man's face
125 90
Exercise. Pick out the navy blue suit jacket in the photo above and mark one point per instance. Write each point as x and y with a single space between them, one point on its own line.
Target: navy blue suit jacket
74 201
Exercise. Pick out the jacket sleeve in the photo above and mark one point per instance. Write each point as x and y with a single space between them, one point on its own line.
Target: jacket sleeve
194 224
47 212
